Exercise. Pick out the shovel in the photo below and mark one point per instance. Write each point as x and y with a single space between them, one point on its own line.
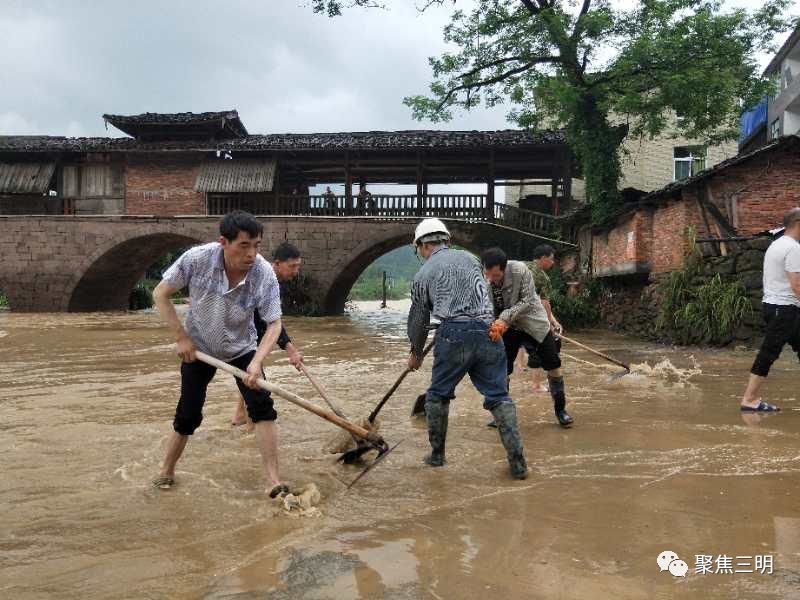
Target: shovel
352 456
322 392
601 355
369 439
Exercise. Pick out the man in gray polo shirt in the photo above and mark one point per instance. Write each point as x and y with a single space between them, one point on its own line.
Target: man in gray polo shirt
227 280
781 306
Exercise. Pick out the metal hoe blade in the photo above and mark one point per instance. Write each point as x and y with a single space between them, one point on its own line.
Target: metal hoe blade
381 455
619 375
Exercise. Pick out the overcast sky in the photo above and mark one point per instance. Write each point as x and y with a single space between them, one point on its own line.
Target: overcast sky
284 68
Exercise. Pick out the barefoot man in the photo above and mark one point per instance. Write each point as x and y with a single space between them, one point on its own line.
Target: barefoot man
227 281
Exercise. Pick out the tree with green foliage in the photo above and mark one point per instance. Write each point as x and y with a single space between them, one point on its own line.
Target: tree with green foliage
602 72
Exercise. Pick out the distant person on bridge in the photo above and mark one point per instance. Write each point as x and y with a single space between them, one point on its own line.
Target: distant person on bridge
227 281
522 320
781 307
450 286
330 199
286 264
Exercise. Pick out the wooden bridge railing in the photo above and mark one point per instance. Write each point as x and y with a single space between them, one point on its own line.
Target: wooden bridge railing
471 207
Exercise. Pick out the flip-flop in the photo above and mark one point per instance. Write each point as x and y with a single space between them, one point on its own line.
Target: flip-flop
762 407
279 490
163 482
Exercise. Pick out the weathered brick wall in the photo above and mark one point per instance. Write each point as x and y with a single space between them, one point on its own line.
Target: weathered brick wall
762 190
162 184
627 247
753 196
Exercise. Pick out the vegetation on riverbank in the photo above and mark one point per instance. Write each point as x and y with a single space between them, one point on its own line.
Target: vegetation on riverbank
3 300
400 265
578 311
697 309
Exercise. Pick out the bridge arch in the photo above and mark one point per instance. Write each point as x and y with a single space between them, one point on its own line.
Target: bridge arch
107 283
371 250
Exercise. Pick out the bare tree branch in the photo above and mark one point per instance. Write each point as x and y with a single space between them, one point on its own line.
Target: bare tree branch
496 79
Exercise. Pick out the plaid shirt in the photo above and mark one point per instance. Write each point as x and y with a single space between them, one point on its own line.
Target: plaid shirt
220 320
449 285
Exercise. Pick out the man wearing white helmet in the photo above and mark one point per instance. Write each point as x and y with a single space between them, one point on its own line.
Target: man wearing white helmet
451 287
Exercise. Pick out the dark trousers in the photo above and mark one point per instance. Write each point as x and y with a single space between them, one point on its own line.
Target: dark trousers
783 327
196 376
542 354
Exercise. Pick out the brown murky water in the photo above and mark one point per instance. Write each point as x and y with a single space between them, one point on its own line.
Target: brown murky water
652 464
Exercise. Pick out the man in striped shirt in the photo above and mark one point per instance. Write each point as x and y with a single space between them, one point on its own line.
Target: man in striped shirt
227 280
450 286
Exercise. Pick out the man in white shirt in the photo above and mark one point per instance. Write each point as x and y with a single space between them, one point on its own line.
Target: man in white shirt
781 306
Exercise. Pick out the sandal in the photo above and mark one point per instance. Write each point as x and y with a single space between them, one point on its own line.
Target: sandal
762 407
279 490
163 482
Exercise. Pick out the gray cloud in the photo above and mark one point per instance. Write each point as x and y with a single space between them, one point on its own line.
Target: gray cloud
281 66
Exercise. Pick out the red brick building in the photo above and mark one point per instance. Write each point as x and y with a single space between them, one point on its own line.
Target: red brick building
740 197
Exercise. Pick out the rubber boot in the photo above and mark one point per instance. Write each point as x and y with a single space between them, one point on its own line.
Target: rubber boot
559 401
505 415
436 413
491 423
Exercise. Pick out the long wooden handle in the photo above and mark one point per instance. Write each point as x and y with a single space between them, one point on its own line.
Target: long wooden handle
291 397
322 392
593 351
397 383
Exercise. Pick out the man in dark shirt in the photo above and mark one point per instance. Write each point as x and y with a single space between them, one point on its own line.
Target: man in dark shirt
286 264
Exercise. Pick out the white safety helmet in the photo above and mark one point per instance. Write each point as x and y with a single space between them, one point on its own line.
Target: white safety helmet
431 230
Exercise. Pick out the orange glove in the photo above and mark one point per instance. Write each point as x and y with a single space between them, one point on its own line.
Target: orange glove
498 328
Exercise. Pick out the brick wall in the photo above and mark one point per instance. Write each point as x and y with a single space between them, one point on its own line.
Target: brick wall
753 196
163 185
761 190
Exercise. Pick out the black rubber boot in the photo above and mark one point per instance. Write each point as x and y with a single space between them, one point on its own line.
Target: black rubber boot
436 412
559 401
492 423
505 415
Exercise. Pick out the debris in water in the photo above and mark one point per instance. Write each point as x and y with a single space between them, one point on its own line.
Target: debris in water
302 501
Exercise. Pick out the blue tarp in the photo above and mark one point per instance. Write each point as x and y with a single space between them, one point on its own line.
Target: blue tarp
753 119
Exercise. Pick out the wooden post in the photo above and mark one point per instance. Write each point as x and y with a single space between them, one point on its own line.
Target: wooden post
348 185
276 188
490 188
383 303
420 185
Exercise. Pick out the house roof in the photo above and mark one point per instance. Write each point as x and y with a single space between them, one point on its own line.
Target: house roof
367 140
775 64
161 126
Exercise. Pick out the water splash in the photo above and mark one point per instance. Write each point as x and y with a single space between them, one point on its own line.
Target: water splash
667 371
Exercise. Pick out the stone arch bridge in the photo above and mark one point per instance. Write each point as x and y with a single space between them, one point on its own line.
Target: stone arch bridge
91 263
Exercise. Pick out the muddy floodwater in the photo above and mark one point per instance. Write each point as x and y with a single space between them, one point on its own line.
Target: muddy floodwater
655 462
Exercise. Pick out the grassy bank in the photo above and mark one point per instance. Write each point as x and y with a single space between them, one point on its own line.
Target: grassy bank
400 265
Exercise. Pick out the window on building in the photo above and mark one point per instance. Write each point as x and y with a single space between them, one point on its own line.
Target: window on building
775 129
688 160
